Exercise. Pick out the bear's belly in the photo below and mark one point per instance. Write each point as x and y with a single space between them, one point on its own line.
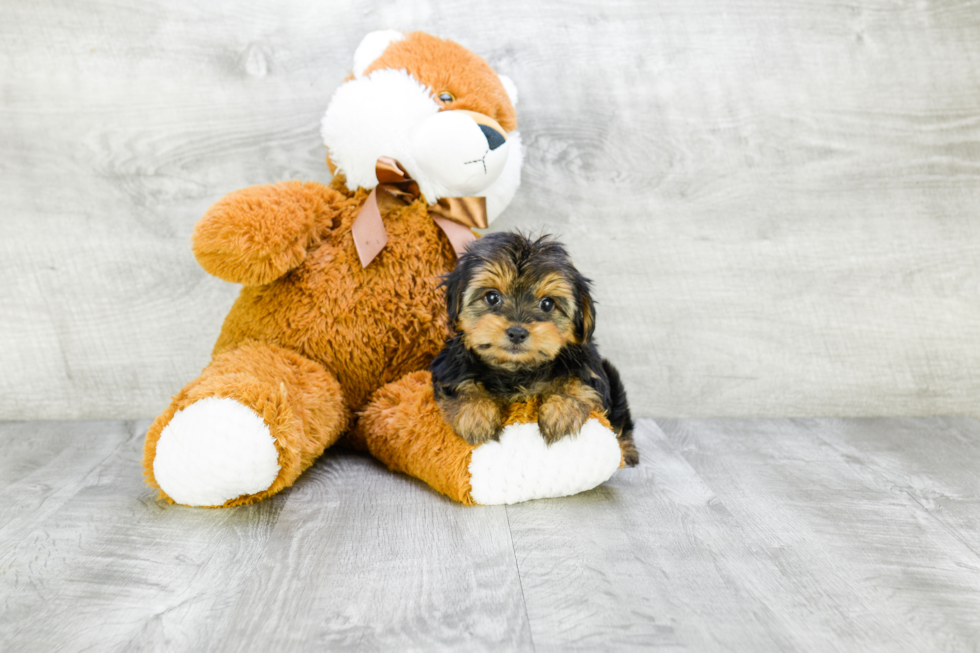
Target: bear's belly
368 326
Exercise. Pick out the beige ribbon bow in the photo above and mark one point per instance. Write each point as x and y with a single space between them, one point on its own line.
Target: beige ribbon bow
454 215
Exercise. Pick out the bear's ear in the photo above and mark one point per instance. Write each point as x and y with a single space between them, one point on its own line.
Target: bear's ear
373 46
510 87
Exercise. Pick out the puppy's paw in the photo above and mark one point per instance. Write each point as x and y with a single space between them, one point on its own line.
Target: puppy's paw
479 422
631 456
561 415
475 419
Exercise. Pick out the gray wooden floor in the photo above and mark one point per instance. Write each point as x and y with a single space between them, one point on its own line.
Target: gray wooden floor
749 535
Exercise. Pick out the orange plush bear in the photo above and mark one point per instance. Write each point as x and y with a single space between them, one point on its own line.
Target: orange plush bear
341 287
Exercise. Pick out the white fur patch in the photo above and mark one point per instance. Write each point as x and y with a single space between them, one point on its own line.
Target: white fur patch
452 157
378 114
510 87
372 46
520 466
502 191
215 450
371 117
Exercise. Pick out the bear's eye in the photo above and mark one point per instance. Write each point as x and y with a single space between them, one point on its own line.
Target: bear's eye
547 304
446 97
492 298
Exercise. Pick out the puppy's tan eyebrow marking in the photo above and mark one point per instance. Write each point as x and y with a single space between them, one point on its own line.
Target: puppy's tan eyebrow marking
492 275
553 284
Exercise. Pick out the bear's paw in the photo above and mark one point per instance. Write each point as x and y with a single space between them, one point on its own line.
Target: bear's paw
213 451
521 466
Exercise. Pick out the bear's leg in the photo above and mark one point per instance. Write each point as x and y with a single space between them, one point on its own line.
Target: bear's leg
403 427
246 428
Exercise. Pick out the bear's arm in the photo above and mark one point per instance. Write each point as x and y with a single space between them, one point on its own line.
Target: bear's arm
255 235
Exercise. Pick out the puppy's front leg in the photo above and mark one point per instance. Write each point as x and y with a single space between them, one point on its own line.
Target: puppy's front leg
566 408
474 413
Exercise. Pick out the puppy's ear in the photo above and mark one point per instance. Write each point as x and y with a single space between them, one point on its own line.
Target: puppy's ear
455 285
585 313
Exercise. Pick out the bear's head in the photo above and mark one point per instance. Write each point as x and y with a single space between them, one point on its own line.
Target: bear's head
435 107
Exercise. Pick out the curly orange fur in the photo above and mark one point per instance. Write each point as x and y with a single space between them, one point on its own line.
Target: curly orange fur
299 400
383 321
311 313
403 427
443 65
313 333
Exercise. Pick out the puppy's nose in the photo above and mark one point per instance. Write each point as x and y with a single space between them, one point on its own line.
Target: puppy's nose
494 138
517 334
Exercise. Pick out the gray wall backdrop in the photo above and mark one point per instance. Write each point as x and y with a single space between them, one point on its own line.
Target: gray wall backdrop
778 200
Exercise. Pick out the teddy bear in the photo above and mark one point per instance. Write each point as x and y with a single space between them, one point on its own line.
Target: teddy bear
341 309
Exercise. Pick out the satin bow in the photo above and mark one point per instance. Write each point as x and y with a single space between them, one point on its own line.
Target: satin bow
454 215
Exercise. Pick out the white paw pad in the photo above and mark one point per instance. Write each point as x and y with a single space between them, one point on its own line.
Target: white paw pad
215 450
520 466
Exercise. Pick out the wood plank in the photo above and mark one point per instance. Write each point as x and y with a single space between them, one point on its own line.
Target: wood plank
353 556
934 461
768 535
873 567
30 446
776 200
652 559
45 464
110 562
374 561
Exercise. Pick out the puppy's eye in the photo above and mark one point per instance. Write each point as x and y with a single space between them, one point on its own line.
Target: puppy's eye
446 97
547 304
492 298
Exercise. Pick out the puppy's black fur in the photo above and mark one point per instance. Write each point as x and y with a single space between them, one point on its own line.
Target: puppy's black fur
563 359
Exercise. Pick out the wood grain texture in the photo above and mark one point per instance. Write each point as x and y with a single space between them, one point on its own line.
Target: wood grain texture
777 200
351 558
746 535
651 559
363 559
871 566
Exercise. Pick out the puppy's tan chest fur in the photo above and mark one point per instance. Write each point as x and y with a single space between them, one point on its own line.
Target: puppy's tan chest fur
564 406
542 390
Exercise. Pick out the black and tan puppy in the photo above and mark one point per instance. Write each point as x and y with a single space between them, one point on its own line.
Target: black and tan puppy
522 321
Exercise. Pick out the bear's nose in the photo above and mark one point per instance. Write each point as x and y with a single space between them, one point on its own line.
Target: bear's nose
517 334
494 138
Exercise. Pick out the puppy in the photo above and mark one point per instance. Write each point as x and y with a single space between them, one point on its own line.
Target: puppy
522 321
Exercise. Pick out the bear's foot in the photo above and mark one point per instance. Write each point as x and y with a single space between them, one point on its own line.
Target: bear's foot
521 465
213 451
245 429
404 428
